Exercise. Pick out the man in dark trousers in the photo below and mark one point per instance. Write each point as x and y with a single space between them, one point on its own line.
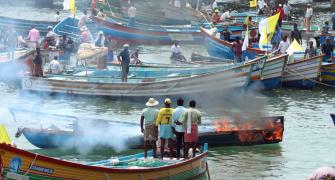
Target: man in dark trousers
124 59
296 34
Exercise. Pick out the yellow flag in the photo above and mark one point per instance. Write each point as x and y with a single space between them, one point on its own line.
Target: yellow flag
294 47
247 21
264 40
272 22
4 138
73 6
253 3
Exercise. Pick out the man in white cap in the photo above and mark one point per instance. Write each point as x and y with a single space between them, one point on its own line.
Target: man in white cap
124 59
51 37
308 17
164 121
150 130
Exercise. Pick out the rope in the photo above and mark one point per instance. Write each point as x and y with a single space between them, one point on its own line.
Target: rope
312 80
36 154
207 170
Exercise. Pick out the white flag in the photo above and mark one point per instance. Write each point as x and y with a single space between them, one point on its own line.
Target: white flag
66 4
245 41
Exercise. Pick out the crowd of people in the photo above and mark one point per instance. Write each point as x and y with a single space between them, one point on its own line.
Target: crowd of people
177 127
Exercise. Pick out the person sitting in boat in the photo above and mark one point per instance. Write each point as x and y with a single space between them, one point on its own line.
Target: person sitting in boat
50 38
164 121
10 41
124 59
237 49
85 35
101 13
132 15
327 50
225 16
325 28
310 51
101 40
191 120
176 52
148 126
66 46
226 34
216 17
134 57
37 64
283 46
82 20
54 66
111 45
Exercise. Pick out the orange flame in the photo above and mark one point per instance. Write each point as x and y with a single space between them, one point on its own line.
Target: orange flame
246 132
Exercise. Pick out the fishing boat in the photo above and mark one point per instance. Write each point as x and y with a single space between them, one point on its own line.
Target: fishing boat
323 38
12 69
287 28
69 26
328 73
21 164
219 133
236 77
302 73
150 12
23 25
217 47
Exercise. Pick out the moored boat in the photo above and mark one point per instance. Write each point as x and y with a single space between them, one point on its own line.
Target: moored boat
12 69
222 49
69 26
328 73
21 164
303 73
236 77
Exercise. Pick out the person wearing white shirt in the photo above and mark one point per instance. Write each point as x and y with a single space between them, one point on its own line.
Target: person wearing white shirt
261 4
57 17
308 17
287 9
176 52
132 15
225 15
214 5
82 20
55 67
177 125
283 45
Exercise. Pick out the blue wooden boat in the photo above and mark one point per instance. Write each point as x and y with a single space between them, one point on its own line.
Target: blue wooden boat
302 73
222 49
217 134
323 38
23 26
328 73
69 26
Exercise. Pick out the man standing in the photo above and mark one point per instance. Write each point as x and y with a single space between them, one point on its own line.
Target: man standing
287 10
325 28
37 64
57 17
296 34
191 120
132 15
150 129
216 17
327 49
280 10
11 42
124 59
82 20
34 35
50 38
308 17
177 124
237 49
164 121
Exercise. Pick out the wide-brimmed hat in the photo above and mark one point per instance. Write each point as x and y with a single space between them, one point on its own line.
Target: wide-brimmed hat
126 45
84 28
152 102
167 101
101 33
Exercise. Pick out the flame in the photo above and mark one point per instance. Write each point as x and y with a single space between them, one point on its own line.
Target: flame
249 132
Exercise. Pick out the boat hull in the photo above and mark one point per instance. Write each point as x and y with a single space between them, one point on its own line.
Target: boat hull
133 35
302 74
235 78
328 73
20 164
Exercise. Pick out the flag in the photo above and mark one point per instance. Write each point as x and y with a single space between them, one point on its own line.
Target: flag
4 138
253 3
268 25
294 47
263 40
247 21
246 41
70 5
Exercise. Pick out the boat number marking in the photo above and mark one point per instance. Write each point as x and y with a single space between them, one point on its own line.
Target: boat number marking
41 169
